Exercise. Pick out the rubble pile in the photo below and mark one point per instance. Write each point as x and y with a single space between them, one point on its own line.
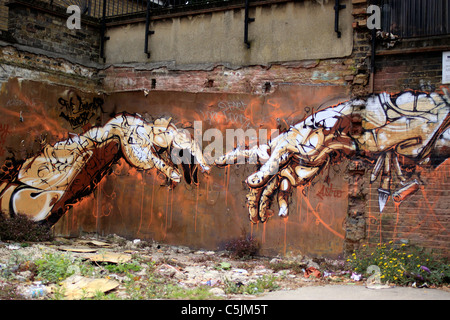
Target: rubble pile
110 264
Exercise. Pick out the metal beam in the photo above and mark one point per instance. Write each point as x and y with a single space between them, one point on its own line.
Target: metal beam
147 27
247 21
103 36
337 7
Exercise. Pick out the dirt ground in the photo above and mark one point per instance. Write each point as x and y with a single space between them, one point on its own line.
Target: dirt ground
116 268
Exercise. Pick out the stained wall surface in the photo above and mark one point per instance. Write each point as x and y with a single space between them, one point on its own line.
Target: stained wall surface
99 187
281 32
87 147
140 204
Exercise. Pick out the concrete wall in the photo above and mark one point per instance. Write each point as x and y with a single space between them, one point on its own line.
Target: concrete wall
281 32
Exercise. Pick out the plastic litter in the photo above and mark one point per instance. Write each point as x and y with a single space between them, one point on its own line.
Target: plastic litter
37 290
311 271
356 276
241 271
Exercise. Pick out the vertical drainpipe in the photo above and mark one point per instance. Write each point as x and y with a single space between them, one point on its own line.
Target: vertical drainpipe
103 33
372 60
147 31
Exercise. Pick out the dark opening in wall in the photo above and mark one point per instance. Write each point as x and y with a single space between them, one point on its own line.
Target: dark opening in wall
209 83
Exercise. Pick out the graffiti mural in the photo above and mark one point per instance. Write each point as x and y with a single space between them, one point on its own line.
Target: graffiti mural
398 132
43 187
116 174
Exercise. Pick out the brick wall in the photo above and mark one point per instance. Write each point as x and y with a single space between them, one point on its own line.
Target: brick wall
360 80
423 220
252 79
39 25
416 70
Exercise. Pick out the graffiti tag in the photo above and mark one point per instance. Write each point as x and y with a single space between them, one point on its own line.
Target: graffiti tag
329 192
4 131
78 112
232 112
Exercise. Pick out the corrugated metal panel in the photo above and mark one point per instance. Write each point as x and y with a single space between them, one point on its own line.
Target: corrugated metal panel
415 18
3 16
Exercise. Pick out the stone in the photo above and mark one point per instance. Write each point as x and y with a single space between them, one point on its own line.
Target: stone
360 79
217 291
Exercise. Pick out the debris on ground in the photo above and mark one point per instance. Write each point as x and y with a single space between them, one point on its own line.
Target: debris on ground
116 268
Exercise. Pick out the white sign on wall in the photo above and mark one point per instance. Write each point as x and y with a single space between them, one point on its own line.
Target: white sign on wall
446 67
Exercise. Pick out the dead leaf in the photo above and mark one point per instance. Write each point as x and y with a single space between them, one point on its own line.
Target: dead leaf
77 287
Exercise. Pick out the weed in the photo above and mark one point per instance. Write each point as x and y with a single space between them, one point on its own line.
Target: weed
20 228
243 248
8 291
54 267
174 291
99 295
223 266
155 286
122 267
261 285
298 268
401 264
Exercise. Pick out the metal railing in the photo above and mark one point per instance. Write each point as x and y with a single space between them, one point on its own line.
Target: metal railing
94 8
113 8
117 8
415 18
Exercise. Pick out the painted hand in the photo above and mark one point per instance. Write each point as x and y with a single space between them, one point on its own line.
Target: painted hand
292 159
155 145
